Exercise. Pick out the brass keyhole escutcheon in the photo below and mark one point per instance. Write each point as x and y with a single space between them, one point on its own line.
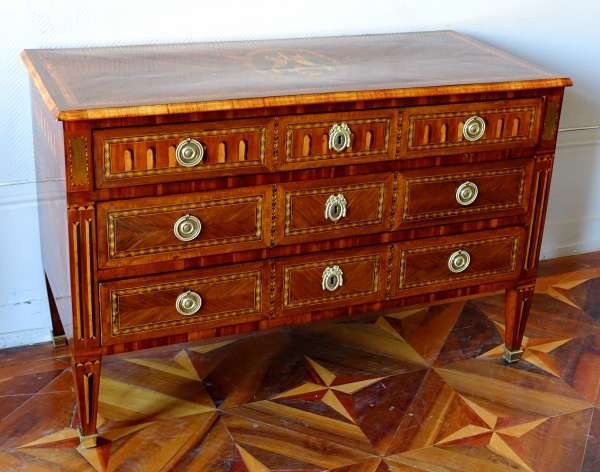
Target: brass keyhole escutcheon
339 137
335 207
332 278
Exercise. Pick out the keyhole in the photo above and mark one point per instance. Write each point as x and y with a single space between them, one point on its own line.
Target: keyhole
332 281
336 210
340 140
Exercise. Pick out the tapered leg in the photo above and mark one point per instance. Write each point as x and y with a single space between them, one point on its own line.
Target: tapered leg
518 303
58 333
87 386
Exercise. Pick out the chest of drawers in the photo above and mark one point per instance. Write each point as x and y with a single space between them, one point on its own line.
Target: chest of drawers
200 190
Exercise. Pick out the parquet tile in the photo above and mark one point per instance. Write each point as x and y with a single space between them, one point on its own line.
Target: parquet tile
423 389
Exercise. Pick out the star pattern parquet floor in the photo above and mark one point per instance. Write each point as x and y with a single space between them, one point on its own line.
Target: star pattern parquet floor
423 389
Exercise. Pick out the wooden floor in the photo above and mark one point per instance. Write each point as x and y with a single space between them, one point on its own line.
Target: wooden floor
411 390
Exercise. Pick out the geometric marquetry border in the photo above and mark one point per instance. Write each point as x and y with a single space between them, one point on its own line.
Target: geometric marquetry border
116 294
438 214
375 258
112 217
466 114
348 188
107 143
460 245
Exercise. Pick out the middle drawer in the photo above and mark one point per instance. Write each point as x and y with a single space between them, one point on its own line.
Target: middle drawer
147 230
333 208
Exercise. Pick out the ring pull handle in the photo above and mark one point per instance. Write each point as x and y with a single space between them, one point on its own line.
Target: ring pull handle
188 303
332 278
459 261
466 193
187 227
335 208
339 137
474 128
189 152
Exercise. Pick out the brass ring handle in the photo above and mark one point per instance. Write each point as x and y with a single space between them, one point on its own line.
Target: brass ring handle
339 137
474 128
187 227
332 278
189 152
459 261
335 208
188 303
466 193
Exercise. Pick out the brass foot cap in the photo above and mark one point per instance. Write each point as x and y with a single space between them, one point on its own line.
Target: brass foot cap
89 441
512 356
58 341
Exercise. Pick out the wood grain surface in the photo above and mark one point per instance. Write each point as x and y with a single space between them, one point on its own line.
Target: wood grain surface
256 74
416 389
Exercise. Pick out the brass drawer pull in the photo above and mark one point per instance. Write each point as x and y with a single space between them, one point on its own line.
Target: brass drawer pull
187 227
459 261
332 278
189 152
466 193
335 208
339 137
188 303
474 128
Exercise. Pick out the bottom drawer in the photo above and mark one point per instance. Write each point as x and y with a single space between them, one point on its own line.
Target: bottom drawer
457 261
331 279
162 305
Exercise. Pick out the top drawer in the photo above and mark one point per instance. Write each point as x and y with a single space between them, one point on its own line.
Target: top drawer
484 126
156 154
335 139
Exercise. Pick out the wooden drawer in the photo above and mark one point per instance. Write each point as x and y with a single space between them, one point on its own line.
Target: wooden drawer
423 266
305 139
363 271
441 195
147 154
145 307
142 231
438 130
302 208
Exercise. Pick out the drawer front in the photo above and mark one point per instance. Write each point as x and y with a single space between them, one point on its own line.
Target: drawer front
306 139
333 208
443 129
475 258
147 307
356 276
146 230
463 193
152 154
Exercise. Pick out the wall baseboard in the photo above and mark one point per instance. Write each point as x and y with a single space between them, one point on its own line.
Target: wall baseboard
25 337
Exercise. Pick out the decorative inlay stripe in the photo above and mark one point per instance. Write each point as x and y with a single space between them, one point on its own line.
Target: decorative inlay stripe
199 318
78 161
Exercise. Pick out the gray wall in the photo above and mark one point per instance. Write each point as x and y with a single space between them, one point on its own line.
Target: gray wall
559 35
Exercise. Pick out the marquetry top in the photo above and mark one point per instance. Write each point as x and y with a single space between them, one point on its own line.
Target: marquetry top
79 84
